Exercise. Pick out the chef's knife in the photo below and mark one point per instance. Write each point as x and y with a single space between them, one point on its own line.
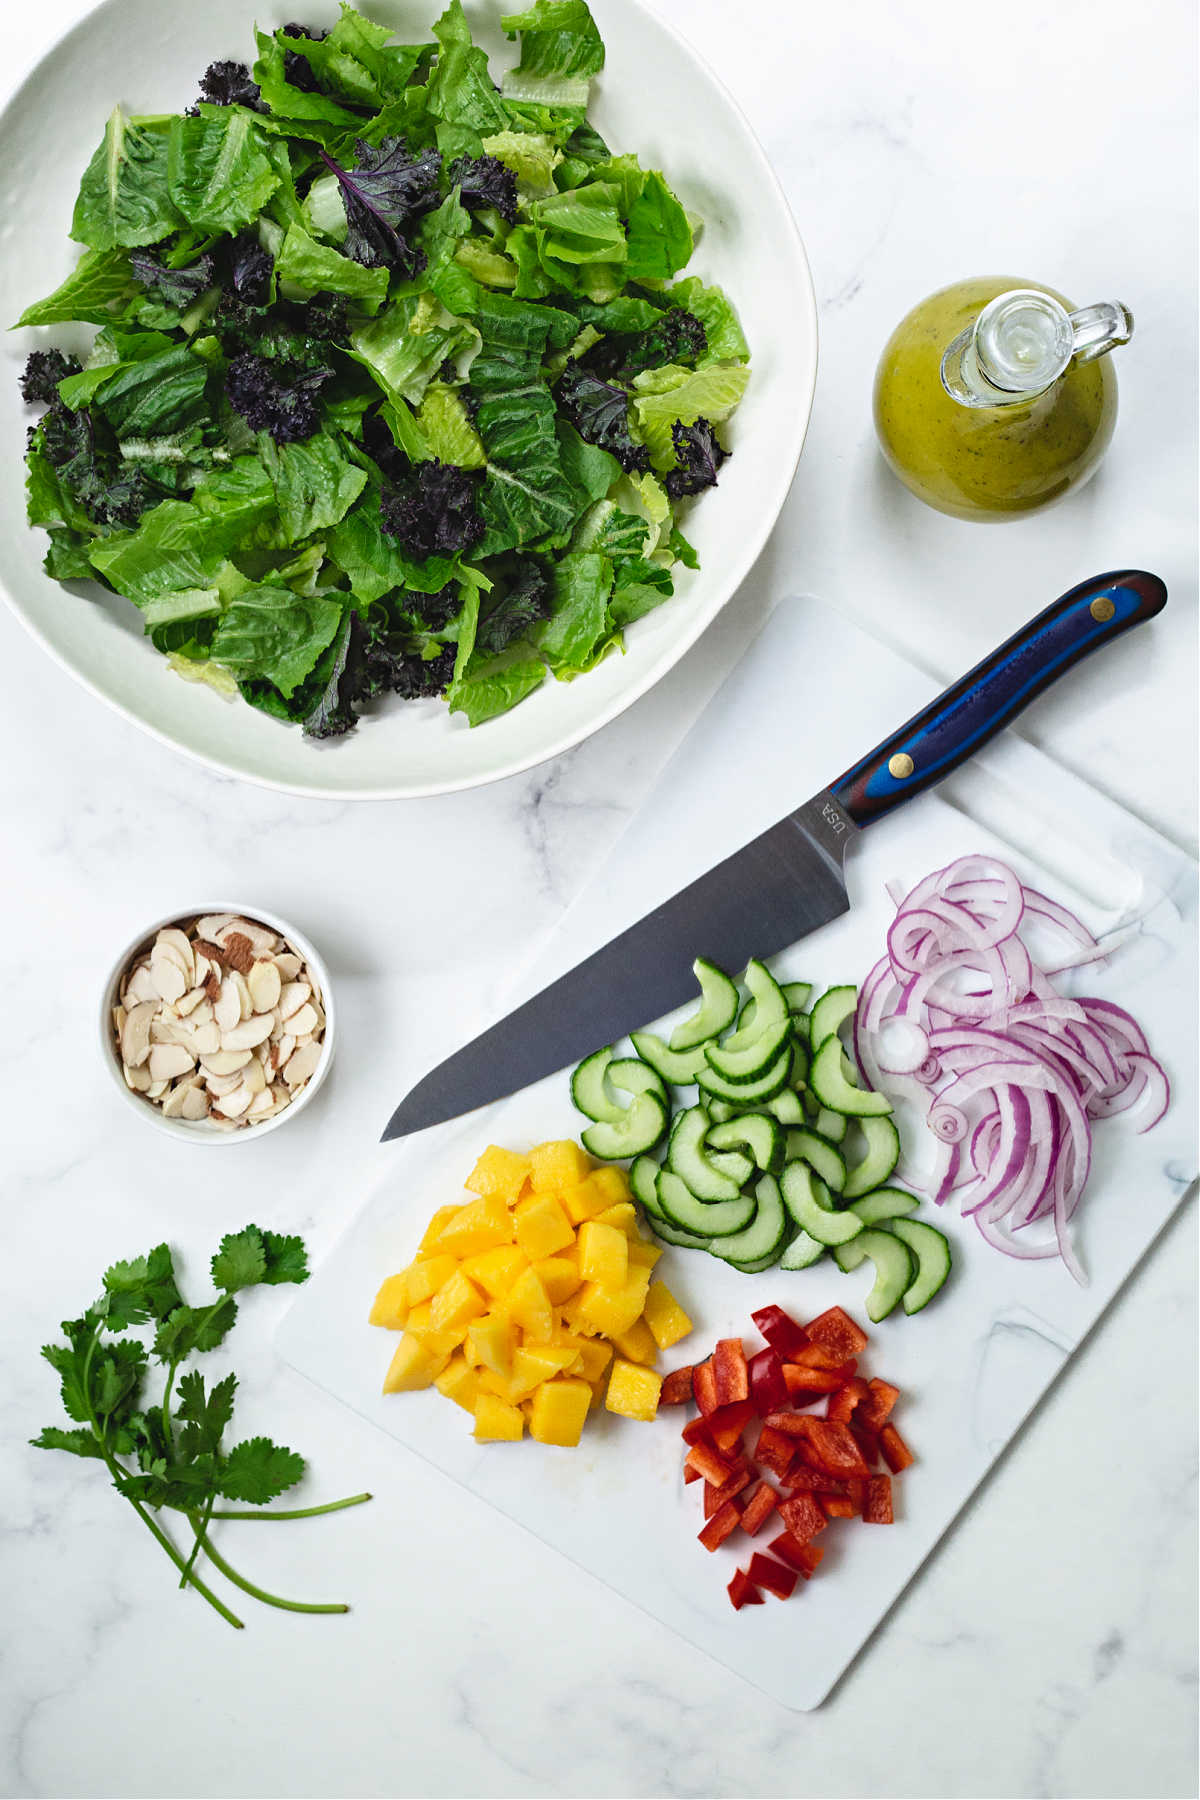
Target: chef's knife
785 883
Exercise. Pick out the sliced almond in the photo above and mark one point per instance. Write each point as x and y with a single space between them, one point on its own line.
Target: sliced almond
265 986
170 980
261 938
157 1089
195 1104
227 1008
232 1106
252 1031
254 1077
138 1080
262 1104
140 986
225 1062
245 1003
118 1019
169 1060
301 1065
135 1034
292 997
303 1021
289 964
202 967
167 1030
171 941
284 1048
205 1039
219 1085
173 1102
212 925
187 1003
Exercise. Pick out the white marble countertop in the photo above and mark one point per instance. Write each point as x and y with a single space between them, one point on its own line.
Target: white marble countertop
1048 1649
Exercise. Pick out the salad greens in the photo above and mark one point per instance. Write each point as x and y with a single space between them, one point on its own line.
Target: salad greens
395 388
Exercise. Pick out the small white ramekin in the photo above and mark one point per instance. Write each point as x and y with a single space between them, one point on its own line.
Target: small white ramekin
200 1131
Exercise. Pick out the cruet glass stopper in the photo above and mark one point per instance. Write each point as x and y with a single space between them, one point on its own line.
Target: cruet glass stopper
1023 341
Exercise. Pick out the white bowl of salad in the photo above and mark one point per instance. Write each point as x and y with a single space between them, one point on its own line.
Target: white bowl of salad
408 400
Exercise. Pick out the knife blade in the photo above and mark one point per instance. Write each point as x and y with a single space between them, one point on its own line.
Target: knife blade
785 883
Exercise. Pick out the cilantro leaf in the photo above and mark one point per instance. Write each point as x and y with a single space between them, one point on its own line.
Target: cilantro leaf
141 1289
256 1470
203 1415
191 1328
287 1259
241 1261
78 1443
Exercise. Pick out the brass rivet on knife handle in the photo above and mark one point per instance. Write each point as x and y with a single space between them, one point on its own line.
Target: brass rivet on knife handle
1102 609
901 765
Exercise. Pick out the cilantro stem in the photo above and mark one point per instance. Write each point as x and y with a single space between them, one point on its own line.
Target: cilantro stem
195 1550
248 1587
303 1512
168 1430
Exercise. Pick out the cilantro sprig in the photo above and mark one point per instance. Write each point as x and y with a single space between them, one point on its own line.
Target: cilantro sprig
171 1456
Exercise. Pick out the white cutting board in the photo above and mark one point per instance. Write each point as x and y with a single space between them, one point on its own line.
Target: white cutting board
810 696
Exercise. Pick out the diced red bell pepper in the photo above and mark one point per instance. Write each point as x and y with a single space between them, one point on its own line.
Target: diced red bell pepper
805 1383
804 1557
815 1481
878 1507
868 1443
843 1403
691 1474
696 1432
758 1508
726 1425
837 1332
802 1516
834 1448
724 1521
780 1330
677 1387
768 1390
896 1453
766 1572
775 1451
792 1424
836 1506
876 1410
704 1388
742 1591
816 1356
857 1492
708 1460
734 1484
730 1370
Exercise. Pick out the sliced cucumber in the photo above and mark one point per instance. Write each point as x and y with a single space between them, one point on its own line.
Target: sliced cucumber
787 1107
802 1028
686 1158
638 1129
828 1080
879 1159
931 1251
719 1110
643 1183
748 1063
831 1011
759 1132
717 1009
831 1125
797 994
747 1093
733 1163
802 1252
766 1006
758 1246
894 1269
798 1071
679 1067
671 1234
884 1203
807 1199
706 1218
589 1090
824 1158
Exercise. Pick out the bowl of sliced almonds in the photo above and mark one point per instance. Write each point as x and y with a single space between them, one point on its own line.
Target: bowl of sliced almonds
218 1024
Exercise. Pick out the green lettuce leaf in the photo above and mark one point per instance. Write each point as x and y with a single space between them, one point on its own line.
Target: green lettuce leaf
100 281
582 226
711 305
579 629
486 692
219 173
356 61
407 344
639 587
526 496
150 391
317 268
589 469
558 37
299 112
660 238
124 198
272 634
446 429
530 155
182 544
460 88
663 396
373 562
315 485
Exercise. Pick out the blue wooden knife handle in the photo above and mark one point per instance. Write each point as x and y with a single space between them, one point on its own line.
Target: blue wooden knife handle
994 692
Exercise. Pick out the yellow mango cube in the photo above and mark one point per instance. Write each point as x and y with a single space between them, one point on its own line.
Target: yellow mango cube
459 1382
595 1356
623 1216
528 1307
390 1305
482 1225
585 1199
534 1363
610 1311
440 1343
420 1318
643 1254
557 1165
497 1421
559 1410
435 1227
560 1277
491 1341
457 1302
603 1254
427 1276
498 1172
632 1391
412 1366
496 1270
636 1344
613 1183
666 1318
542 1226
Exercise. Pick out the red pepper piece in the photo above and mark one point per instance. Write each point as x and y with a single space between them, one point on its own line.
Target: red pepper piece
802 1516
876 1409
804 1382
710 1463
878 1507
740 1479
704 1388
815 1356
834 1448
677 1387
696 1432
868 1443
846 1400
726 1425
768 1390
804 1557
835 1507
775 1451
896 1453
730 1370
857 1492
691 1474
742 1591
780 1330
725 1520
792 1424
758 1508
766 1572
837 1332
816 1481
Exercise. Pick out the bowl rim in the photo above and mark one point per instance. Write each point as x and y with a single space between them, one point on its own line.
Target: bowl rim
692 627
197 1132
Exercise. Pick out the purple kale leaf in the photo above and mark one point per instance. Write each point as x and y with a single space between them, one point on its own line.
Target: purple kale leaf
432 512
250 268
82 449
527 601
675 337
43 371
177 287
600 414
698 456
485 181
297 70
384 193
230 84
278 397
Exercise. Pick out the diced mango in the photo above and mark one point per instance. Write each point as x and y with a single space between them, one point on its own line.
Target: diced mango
435 1227
491 1340
612 1182
636 1344
496 1419
560 1277
610 1311
412 1366
666 1318
559 1410
427 1276
496 1270
390 1306
557 1165
480 1226
488 1382
623 1215
595 1355
643 1254
632 1391
457 1302
585 1199
528 1307
440 1343
420 1318
542 1226
459 1382
603 1254
534 1363
499 1172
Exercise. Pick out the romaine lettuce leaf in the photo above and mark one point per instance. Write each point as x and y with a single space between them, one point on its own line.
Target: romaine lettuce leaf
407 344
182 544
315 485
153 387
219 172
526 495
296 108
711 305
662 396
357 63
530 155
639 587
460 88
497 686
660 238
446 429
98 283
124 198
578 631
373 562
272 634
558 37
317 268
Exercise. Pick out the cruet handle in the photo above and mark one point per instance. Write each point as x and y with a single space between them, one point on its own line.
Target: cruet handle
1099 329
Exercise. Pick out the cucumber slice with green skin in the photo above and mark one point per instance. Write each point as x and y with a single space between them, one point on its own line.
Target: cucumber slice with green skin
807 1199
733 1163
831 1011
766 1006
643 1184
802 1252
759 1245
686 1158
679 1067
787 1107
748 1093
638 1129
831 1125
824 1158
880 1158
759 1132
671 1234
931 1252
588 1089
704 1218
799 1070
885 1203
748 1063
717 1009
895 1269
802 1028
797 994
827 1079
719 1110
